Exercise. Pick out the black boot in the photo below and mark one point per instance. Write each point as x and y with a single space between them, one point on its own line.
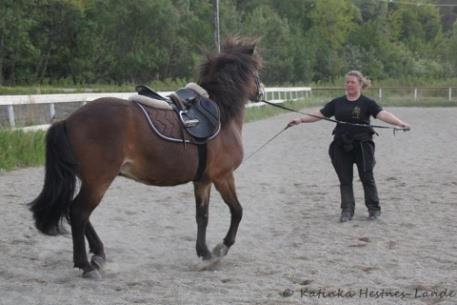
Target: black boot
374 214
346 215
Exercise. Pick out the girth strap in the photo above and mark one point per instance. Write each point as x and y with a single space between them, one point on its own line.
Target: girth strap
202 155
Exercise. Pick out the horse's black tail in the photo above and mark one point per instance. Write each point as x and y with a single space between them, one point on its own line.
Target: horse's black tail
53 203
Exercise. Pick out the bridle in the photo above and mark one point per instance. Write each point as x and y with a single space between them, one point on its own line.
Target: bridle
260 89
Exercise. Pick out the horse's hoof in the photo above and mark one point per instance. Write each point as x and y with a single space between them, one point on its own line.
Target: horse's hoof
204 254
92 275
207 257
98 261
220 250
210 265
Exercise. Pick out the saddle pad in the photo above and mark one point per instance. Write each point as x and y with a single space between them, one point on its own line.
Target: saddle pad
166 124
197 88
150 102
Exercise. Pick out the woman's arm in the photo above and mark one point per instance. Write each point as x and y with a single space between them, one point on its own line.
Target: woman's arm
389 118
315 116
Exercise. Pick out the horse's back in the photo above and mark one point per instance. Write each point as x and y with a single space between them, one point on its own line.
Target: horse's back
112 137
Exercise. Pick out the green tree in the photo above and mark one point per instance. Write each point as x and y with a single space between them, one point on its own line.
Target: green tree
450 51
114 41
54 36
275 37
17 51
331 23
418 27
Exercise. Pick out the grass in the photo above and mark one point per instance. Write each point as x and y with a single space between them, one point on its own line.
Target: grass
21 149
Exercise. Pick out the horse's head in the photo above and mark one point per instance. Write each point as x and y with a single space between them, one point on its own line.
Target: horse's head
231 76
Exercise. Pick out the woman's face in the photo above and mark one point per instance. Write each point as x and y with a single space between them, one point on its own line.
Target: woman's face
353 86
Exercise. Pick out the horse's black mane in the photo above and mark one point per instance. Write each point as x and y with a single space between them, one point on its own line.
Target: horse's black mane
230 76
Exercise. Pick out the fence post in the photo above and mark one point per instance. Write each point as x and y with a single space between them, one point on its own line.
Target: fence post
11 116
415 94
380 94
52 111
450 94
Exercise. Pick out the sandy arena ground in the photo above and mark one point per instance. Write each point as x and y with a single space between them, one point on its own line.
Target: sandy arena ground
290 249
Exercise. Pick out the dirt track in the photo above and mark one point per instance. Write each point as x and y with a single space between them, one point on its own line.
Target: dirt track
291 249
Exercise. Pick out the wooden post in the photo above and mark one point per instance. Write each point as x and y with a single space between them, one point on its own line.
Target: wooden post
380 94
450 94
415 94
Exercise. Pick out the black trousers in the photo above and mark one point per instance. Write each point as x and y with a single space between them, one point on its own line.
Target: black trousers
343 159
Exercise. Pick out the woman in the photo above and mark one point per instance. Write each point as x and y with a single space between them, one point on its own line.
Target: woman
354 144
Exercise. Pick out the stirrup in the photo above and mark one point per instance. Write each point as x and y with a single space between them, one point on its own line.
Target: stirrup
187 122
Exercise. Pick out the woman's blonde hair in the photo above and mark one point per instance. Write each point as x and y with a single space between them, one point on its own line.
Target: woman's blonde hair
365 82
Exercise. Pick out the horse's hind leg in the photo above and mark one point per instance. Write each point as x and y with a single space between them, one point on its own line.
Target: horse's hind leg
226 187
202 194
83 205
95 247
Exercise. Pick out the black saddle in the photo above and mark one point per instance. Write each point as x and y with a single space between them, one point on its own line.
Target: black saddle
199 115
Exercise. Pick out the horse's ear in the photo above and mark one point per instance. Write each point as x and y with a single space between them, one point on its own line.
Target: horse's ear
252 45
251 48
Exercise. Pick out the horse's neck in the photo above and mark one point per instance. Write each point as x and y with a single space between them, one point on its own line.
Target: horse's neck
235 125
239 120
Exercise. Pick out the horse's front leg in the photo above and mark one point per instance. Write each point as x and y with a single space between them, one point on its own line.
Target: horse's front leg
202 194
226 187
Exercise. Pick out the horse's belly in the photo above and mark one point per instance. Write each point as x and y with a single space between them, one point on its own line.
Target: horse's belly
160 174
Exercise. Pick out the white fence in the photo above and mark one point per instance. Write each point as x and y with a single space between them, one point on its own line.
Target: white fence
16 109
276 95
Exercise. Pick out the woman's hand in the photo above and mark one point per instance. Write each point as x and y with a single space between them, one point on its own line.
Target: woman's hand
294 122
389 118
404 126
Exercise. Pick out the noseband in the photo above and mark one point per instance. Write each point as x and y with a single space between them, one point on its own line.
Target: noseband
260 89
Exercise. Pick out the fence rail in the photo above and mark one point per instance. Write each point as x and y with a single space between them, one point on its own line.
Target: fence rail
415 93
52 101
37 111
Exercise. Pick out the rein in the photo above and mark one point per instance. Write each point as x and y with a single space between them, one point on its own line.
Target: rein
266 143
394 129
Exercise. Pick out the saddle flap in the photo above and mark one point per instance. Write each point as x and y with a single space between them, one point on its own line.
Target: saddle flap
186 97
208 115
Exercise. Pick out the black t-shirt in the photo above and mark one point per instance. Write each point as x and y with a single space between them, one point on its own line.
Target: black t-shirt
358 111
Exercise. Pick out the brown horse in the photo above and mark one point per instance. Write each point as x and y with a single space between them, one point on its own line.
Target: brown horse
110 137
